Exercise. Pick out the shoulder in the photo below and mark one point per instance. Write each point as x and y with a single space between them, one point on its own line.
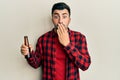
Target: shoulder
45 36
76 33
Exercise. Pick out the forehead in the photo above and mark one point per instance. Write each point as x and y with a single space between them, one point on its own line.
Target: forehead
57 12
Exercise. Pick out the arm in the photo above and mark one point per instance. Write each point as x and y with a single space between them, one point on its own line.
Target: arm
36 56
78 53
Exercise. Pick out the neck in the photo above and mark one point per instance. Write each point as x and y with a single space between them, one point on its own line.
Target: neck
55 29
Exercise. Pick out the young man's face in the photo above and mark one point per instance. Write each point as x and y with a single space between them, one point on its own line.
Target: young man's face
61 17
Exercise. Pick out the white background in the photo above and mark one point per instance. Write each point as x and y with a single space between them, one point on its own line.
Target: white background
99 20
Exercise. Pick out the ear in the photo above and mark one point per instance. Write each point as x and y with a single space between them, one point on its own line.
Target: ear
52 20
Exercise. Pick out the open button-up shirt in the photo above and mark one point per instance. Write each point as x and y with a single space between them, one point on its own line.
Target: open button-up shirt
76 51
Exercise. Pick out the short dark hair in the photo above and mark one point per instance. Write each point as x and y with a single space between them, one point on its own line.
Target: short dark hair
61 6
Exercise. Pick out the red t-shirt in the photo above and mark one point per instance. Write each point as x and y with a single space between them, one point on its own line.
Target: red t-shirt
60 61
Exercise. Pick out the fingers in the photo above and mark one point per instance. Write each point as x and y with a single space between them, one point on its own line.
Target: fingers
58 32
61 28
24 50
63 35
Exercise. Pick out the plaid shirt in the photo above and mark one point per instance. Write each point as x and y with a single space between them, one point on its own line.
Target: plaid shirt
76 51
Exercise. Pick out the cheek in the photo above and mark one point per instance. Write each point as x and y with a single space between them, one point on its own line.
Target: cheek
67 22
55 21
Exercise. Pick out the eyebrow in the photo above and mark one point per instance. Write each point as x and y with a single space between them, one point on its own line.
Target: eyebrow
58 13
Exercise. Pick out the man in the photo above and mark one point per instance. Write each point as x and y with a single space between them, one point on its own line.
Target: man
61 51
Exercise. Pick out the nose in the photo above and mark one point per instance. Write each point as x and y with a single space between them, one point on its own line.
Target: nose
60 20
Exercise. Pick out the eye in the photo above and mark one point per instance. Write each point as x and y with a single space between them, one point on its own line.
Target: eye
55 17
64 17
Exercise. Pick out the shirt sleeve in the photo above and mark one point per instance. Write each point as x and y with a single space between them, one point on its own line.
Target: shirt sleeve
35 58
78 53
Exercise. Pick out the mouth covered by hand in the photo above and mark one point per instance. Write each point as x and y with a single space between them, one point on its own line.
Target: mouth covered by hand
56 26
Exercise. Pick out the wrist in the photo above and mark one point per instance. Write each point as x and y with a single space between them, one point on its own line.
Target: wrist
27 56
66 44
